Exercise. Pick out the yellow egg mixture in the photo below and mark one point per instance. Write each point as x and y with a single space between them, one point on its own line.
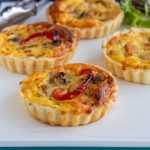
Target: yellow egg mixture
131 49
37 88
37 47
84 13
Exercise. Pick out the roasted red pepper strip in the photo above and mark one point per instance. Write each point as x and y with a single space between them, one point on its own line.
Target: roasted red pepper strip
52 35
57 93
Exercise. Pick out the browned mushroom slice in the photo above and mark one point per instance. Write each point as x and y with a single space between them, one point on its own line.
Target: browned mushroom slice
145 56
130 49
146 46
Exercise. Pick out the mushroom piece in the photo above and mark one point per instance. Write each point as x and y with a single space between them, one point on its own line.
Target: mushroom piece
130 49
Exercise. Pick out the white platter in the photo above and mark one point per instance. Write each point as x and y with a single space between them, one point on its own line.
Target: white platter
128 124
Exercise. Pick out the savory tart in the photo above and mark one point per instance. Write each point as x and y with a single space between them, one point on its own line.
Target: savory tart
31 47
69 95
91 18
127 54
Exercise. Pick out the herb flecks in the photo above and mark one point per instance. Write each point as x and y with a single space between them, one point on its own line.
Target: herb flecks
59 78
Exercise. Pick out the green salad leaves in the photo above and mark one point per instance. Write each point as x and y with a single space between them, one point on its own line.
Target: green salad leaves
133 16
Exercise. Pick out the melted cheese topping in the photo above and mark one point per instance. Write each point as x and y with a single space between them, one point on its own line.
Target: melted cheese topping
131 49
38 87
37 47
84 13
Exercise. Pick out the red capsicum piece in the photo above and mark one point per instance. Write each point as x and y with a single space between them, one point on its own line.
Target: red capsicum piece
52 35
57 93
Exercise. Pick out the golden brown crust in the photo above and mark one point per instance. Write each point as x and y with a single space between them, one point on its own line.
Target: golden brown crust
29 65
88 28
128 62
73 111
58 118
26 58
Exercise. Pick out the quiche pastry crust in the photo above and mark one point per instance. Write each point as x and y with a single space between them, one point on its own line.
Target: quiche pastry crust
131 74
89 32
59 116
22 63
31 64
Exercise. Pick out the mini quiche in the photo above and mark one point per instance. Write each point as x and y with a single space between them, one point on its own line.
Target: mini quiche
127 54
69 95
31 47
91 18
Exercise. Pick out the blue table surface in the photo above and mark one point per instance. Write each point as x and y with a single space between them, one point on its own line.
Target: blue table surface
68 148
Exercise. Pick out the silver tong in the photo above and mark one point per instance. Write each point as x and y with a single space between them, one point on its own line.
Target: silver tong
19 12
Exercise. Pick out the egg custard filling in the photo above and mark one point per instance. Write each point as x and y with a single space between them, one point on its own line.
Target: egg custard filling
130 48
84 13
37 40
69 88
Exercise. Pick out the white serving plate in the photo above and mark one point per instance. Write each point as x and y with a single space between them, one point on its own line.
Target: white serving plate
128 123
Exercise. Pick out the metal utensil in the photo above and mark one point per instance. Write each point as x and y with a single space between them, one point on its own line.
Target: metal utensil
20 11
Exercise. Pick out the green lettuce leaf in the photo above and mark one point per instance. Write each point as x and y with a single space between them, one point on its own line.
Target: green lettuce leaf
135 17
